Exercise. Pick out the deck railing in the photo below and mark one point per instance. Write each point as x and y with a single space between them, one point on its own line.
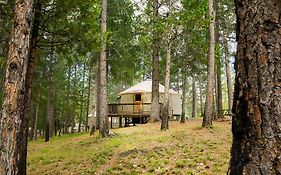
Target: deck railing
131 109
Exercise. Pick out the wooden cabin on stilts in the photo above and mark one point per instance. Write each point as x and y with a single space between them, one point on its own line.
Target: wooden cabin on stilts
134 104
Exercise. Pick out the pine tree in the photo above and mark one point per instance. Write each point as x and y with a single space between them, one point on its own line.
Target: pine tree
256 146
13 121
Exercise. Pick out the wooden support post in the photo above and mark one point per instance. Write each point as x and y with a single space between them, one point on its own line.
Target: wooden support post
120 122
111 122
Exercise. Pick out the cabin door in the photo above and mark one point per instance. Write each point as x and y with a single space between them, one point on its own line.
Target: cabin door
137 103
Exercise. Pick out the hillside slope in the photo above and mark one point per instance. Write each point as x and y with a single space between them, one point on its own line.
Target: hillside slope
183 149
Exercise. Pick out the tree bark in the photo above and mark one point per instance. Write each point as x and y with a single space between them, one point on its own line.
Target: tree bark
256 127
165 118
103 75
155 107
194 98
2 73
28 84
209 110
183 104
13 121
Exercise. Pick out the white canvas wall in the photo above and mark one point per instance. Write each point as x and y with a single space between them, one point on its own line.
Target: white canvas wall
175 102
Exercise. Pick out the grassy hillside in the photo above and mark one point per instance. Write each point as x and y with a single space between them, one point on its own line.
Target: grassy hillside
184 149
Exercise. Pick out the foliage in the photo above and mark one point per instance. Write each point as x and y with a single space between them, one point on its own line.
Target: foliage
69 40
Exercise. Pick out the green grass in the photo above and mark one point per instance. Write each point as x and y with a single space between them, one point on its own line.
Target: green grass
183 149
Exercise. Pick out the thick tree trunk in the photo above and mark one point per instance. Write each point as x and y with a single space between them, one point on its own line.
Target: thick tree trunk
209 110
219 90
166 112
194 98
13 121
2 76
103 75
82 99
28 83
183 104
256 127
155 107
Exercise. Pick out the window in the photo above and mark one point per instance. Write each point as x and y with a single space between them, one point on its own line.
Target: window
137 97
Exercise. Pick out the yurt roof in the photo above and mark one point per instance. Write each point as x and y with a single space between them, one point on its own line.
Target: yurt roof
145 87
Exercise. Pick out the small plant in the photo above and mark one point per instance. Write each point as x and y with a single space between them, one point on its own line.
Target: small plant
180 164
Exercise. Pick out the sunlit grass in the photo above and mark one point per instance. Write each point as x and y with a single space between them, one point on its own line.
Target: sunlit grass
183 149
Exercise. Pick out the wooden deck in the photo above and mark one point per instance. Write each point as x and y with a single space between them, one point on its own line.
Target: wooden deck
131 110
132 113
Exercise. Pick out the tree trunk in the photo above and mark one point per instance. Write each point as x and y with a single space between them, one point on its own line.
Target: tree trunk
155 107
31 120
256 127
32 58
194 98
209 110
103 75
88 98
228 75
201 98
49 116
95 100
183 104
165 117
28 83
13 121
229 84
73 112
50 106
36 118
67 113
2 76
82 98
219 90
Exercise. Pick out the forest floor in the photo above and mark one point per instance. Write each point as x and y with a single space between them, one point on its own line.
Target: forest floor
183 149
